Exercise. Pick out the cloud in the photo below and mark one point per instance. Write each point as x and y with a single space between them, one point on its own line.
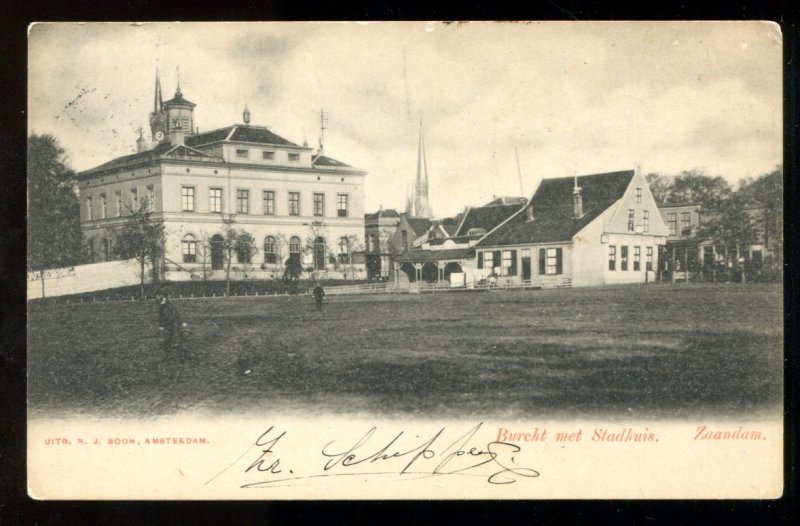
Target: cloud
568 96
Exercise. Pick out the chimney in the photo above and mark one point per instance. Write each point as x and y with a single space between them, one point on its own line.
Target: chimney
176 135
577 202
246 115
141 144
529 212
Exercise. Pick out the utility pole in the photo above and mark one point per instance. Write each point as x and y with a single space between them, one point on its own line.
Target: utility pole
322 120
519 173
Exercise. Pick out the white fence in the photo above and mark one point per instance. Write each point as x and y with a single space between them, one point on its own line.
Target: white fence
441 286
83 278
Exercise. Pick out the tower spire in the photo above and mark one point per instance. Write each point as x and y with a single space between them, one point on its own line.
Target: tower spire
421 205
158 102
178 89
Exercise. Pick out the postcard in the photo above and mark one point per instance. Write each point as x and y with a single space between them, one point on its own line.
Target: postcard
405 260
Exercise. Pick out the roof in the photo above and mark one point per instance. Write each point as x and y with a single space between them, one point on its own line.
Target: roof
450 224
505 200
487 217
164 150
553 209
419 224
239 133
178 99
436 255
322 160
389 212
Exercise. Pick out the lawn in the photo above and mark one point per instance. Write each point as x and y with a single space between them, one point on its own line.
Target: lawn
632 351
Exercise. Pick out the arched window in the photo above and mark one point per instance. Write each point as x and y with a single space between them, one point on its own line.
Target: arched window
344 250
294 248
270 255
106 250
90 248
189 248
244 249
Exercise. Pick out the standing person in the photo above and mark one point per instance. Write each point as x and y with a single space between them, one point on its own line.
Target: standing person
169 321
318 294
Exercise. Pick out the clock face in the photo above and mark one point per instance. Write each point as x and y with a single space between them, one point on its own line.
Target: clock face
159 135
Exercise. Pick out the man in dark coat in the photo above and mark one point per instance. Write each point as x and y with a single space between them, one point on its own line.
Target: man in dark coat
169 321
318 294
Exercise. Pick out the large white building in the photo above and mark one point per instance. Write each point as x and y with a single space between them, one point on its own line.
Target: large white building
294 201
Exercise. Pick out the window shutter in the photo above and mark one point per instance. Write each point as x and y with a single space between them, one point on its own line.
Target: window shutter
542 262
558 260
513 271
480 259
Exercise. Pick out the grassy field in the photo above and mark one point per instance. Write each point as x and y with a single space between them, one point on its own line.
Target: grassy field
635 351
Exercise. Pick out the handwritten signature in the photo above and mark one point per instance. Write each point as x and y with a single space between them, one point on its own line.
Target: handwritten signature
368 456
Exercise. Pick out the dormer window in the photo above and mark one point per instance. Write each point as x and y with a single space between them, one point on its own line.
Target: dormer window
476 231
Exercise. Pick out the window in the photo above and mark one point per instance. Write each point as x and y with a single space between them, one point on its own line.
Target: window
294 203
631 219
612 257
134 199
319 204
242 154
189 248
341 205
646 220
649 263
89 210
242 201
488 260
270 255
637 258
624 257
344 251
294 156
269 202
508 265
118 197
686 224
215 200
187 198
294 248
150 199
672 222
404 233
268 155
638 195
103 207
550 261
244 251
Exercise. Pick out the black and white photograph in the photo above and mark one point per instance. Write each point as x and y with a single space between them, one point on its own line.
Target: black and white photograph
397 260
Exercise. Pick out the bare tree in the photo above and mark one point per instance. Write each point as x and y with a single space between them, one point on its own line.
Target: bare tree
142 237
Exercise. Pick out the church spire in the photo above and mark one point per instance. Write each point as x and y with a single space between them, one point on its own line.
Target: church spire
158 102
421 206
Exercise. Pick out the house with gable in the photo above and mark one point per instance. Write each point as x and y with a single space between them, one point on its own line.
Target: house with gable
578 231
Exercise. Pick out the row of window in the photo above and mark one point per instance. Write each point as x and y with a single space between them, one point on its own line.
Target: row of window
686 223
267 199
637 257
267 155
119 204
272 250
632 219
504 262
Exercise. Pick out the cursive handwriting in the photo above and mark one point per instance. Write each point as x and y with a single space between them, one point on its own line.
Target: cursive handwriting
401 455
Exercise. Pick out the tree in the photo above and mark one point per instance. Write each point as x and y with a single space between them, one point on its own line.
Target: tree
54 231
236 241
142 237
766 193
728 225
316 230
660 186
353 245
694 186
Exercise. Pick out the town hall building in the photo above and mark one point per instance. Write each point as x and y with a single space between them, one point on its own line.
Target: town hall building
295 202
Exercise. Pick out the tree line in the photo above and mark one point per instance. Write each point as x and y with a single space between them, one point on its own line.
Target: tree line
732 218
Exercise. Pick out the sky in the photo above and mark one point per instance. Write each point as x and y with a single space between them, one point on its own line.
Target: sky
566 97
